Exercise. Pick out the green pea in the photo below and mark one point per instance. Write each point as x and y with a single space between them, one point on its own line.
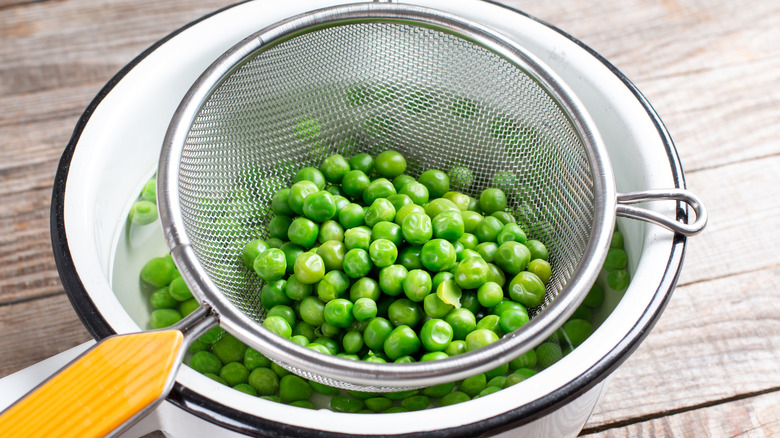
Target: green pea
453 398
409 257
359 237
357 263
365 287
310 174
401 341
278 326
298 193
383 253
387 230
488 229
618 280
332 253
577 331
512 231
462 321
228 348
339 312
364 309
351 216
473 385
469 241
295 289
292 388
470 220
492 323
179 290
162 299
617 240
416 191
271 264
527 289
302 328
406 210
471 273
254 359
438 255
416 403
143 212
504 216
439 206
417 228
379 188
280 204
547 353
398 200
309 268
434 307
541 268
448 225
332 286
401 180
159 271
390 164
595 296
417 284
303 232
278 226
513 319
376 332
490 294
345 404
354 183
205 362
480 338
436 334
234 373
440 277
363 162
161 318
264 381
334 168
312 311
455 347
496 275
378 404
512 257
251 250
380 210
319 206
436 181
616 259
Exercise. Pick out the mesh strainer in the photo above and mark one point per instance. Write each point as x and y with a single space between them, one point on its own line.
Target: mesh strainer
445 92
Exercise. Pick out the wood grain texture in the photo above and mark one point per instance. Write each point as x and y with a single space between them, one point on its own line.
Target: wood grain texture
710 367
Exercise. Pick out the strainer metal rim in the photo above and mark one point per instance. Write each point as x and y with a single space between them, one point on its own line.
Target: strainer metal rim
364 373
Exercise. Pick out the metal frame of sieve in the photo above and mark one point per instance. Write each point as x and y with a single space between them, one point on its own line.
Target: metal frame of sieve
580 274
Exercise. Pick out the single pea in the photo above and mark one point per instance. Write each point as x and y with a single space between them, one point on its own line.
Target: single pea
310 174
391 279
541 268
179 290
295 290
309 268
364 309
205 362
251 250
319 206
161 318
513 319
417 284
398 200
436 334
357 263
278 225
492 323
416 403
212 335
303 232
471 273
401 341
448 225
274 242
450 293
496 275
454 398
405 359
345 404
320 348
547 353
354 183
302 328
434 307
378 404
380 210
525 360
365 287
278 326
488 229
616 259
254 359
229 349
271 264
359 237
293 388
264 381
462 321
188 306
461 200
438 255
470 220
332 286
473 385
274 293
351 216
338 312
280 204
487 250
480 338
376 332
390 164
439 206
406 210
383 253
437 182
143 212
617 240
312 311
376 189
409 257
159 271
440 277
352 342
416 191
490 294
577 331
527 289
332 253
417 228
491 200
469 241
234 373
401 180
512 257
455 347
595 296
504 216
363 162
404 312
334 168
162 299
387 230
298 193
323 388
512 231
618 280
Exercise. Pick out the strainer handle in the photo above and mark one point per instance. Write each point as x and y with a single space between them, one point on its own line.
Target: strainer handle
688 229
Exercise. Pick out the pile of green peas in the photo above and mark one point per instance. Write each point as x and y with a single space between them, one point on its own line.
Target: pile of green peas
354 279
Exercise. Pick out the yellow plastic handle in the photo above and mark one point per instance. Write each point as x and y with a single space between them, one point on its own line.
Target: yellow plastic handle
99 391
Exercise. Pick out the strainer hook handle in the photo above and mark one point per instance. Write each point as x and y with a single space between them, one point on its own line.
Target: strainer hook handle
688 229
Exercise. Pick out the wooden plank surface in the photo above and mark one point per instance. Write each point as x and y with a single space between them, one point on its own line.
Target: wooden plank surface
711 68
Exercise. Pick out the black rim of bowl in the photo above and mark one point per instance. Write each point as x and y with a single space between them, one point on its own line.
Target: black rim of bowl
242 422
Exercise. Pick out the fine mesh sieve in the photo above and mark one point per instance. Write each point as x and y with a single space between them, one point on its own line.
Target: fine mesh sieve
445 92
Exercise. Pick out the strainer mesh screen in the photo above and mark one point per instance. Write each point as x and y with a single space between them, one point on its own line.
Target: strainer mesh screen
442 101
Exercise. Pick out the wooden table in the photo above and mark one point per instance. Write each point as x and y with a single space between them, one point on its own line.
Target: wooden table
710 367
